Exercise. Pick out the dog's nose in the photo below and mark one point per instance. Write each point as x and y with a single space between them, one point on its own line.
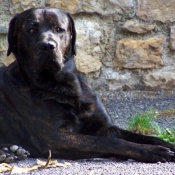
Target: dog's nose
46 46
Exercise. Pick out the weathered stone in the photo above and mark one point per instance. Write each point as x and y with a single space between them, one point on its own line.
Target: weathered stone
88 46
17 6
172 38
91 42
106 7
138 54
2 4
137 28
102 6
68 5
161 10
3 29
86 63
15 1
6 60
27 2
3 43
117 80
4 21
160 80
3 51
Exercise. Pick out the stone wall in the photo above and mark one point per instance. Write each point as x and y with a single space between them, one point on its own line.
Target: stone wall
122 44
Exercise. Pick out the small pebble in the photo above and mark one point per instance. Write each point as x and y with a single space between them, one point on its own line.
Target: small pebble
13 148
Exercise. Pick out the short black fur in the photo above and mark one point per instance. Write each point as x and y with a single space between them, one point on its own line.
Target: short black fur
47 104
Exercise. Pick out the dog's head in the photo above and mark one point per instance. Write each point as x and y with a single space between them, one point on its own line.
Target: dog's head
42 39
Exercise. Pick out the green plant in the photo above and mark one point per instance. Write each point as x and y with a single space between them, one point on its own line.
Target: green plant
143 123
168 135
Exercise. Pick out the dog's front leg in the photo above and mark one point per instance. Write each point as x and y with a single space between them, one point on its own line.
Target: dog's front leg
114 132
74 146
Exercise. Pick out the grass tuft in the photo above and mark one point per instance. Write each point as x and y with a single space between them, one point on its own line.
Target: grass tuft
167 135
143 123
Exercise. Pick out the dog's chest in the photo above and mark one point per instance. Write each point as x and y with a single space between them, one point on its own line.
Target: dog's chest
56 116
40 114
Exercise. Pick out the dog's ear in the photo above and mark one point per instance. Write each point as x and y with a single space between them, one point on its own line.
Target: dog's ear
73 33
12 38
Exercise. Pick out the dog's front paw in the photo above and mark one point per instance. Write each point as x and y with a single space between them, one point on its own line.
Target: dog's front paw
159 154
12 153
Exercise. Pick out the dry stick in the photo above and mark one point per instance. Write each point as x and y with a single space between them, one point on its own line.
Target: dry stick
48 160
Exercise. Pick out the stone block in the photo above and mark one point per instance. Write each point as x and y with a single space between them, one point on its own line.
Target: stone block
89 52
17 6
160 10
4 22
104 7
116 80
3 43
160 80
135 27
172 38
138 54
92 39
67 5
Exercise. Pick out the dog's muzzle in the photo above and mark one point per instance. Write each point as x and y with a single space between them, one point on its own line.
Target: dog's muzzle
47 47
53 56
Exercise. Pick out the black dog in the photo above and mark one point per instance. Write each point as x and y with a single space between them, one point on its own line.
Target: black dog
46 104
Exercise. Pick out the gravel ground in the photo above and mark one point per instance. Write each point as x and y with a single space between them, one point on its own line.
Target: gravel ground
121 106
105 167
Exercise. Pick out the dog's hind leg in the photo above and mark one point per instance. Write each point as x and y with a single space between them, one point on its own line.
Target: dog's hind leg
10 153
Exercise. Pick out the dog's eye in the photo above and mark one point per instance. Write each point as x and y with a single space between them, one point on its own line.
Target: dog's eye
32 31
58 29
